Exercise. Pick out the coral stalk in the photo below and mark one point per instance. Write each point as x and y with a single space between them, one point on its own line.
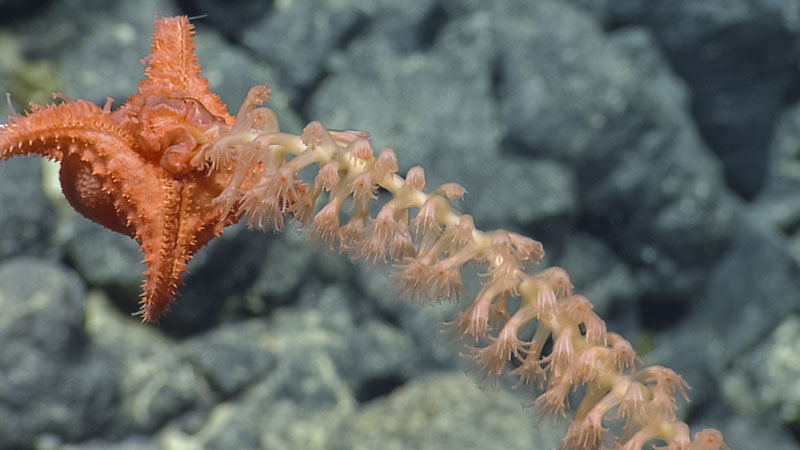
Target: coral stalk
429 243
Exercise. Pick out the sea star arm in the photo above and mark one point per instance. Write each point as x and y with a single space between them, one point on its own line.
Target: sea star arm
84 138
50 131
171 67
173 219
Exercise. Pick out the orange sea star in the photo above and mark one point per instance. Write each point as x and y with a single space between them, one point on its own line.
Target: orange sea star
130 170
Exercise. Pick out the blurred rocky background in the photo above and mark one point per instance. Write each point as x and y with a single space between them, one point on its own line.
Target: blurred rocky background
652 146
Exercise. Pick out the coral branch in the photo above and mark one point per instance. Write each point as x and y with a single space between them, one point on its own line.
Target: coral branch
430 242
